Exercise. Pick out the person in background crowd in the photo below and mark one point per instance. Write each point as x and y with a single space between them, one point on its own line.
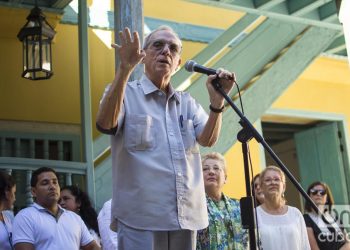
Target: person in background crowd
74 199
109 238
257 192
225 230
321 235
154 126
7 199
47 226
280 226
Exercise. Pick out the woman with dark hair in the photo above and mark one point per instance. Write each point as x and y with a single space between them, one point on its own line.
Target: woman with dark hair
76 200
256 190
321 235
7 199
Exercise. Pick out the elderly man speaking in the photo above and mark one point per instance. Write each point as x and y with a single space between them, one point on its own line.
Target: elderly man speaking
158 191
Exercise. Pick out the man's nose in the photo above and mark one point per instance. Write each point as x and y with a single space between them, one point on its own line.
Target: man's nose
166 49
52 185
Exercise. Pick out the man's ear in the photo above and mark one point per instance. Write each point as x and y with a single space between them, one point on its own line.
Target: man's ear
179 63
33 190
143 59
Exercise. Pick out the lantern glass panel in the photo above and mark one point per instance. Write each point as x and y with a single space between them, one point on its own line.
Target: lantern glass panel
33 54
46 54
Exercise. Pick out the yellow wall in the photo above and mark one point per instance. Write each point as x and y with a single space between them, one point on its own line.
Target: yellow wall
52 100
323 87
235 185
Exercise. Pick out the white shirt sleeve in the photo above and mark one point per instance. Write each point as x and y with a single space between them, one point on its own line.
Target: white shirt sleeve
109 239
23 230
86 237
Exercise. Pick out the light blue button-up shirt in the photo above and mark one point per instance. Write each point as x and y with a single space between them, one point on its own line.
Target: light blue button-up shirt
157 173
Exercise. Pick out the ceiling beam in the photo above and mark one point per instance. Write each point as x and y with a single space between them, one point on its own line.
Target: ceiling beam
301 7
337 45
328 12
243 5
60 4
29 7
342 52
266 4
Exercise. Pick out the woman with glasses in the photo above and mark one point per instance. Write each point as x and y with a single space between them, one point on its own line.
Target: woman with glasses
280 226
225 230
7 199
321 235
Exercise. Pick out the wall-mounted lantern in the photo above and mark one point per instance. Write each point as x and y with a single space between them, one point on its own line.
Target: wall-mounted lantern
36 36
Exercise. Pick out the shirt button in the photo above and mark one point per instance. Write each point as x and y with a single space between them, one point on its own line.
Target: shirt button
180 198
179 174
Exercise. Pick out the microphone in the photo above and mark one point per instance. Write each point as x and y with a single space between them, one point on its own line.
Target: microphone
192 66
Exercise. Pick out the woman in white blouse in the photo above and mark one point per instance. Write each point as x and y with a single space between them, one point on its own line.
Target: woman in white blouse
280 226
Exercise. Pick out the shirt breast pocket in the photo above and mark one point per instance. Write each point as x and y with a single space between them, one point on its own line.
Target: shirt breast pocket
139 133
189 136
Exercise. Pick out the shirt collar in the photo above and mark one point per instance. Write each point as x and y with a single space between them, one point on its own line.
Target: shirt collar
42 209
148 87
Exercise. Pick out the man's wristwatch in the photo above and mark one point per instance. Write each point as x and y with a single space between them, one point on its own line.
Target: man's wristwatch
215 110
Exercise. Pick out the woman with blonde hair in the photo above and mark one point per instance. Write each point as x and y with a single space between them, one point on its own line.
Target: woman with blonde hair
280 226
225 230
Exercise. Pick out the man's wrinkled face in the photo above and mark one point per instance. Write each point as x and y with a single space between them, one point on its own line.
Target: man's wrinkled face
162 53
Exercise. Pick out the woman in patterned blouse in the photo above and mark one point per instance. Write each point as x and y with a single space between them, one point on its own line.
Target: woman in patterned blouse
225 231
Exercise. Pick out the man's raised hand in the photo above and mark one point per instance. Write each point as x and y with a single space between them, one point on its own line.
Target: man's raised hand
129 50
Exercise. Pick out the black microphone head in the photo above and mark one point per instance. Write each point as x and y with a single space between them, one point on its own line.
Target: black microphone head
189 65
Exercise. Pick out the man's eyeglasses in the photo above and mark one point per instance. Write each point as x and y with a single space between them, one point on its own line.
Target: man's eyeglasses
159 45
318 191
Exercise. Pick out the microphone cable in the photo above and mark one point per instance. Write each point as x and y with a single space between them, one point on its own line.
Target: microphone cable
258 240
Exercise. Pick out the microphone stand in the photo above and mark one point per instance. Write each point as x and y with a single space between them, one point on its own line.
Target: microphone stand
247 133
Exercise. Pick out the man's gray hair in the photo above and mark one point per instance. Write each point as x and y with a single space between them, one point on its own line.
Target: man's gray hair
148 39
